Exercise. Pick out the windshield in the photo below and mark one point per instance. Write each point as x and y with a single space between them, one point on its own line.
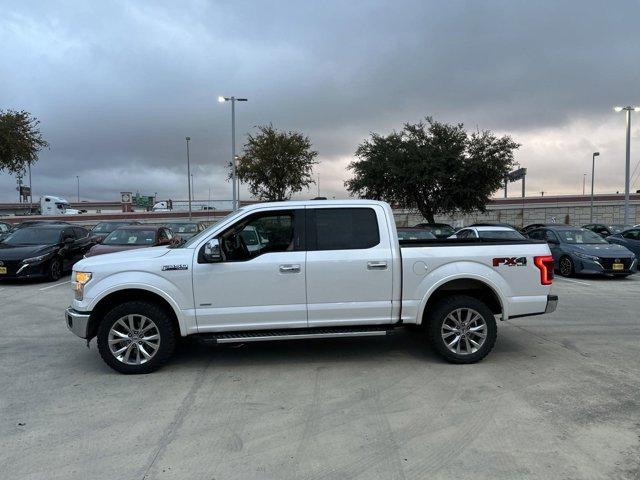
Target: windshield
33 236
417 234
440 231
130 236
581 236
183 227
500 234
618 228
106 227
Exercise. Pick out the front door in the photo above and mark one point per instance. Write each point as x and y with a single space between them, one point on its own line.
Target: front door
260 284
349 266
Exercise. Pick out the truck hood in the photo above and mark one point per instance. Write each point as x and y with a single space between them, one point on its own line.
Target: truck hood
121 257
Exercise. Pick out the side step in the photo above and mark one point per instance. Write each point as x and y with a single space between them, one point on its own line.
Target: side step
295 334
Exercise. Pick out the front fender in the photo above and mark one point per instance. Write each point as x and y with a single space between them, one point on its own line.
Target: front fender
170 291
461 271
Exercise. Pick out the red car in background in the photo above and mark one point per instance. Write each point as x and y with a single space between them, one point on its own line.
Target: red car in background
131 237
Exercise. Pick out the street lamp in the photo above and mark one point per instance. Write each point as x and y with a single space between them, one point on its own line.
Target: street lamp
78 179
188 175
627 110
593 171
233 101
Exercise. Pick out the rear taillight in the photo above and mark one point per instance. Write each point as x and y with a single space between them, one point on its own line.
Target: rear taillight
545 265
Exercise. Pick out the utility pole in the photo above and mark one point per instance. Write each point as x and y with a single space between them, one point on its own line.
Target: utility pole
78 179
593 171
584 181
189 175
627 110
233 101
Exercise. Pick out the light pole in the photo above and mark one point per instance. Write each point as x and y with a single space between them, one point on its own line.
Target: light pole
627 110
593 172
78 179
233 101
188 175
584 181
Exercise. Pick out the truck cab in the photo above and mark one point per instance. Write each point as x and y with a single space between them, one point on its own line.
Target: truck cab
50 205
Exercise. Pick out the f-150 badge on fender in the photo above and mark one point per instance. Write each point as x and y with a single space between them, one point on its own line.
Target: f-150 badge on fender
510 262
174 267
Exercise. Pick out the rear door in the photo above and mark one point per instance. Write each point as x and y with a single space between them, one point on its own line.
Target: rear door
349 266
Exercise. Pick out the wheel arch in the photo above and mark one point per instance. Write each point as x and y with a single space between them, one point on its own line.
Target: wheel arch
473 287
118 297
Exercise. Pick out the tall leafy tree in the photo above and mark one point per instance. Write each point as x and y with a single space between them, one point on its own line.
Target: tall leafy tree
20 140
432 167
276 164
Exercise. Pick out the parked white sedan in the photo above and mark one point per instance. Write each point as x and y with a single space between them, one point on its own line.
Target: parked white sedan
492 232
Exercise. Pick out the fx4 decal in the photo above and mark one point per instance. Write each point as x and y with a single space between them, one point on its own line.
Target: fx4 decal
510 262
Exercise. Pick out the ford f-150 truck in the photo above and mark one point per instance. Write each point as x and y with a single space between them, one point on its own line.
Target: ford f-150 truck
303 270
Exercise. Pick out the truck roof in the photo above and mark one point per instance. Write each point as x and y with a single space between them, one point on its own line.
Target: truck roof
313 203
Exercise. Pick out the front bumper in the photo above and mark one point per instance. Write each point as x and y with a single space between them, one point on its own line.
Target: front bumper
552 303
77 322
604 266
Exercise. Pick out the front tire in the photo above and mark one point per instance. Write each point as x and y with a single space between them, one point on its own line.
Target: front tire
136 337
461 329
565 267
54 270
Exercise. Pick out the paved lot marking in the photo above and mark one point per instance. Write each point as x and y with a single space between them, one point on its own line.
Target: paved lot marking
56 285
572 281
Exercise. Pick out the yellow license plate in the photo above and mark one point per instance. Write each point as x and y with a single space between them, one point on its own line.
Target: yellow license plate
618 266
3 270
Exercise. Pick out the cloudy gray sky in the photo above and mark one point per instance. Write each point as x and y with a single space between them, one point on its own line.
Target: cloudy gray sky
119 84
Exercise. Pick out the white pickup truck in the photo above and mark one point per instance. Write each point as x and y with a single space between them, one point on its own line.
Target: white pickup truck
315 269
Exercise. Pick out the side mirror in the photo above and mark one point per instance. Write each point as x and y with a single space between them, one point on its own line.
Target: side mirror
164 241
553 242
68 240
212 252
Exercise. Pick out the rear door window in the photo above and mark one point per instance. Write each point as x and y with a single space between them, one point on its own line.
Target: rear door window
342 228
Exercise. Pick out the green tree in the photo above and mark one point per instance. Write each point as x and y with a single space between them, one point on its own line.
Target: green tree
276 164
432 167
20 140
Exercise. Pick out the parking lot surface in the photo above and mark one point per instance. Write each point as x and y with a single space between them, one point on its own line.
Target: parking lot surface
558 398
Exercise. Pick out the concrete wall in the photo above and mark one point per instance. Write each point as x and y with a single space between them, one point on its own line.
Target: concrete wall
570 214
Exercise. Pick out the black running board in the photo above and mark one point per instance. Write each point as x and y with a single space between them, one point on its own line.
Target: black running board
295 334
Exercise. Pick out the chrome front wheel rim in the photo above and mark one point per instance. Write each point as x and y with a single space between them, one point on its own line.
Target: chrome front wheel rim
464 331
134 339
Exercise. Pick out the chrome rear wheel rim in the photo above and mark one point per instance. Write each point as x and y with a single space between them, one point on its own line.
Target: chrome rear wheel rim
464 331
134 339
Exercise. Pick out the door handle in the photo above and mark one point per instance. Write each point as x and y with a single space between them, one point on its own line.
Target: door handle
289 268
376 265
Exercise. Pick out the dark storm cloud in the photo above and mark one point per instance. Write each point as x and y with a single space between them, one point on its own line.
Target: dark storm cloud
118 85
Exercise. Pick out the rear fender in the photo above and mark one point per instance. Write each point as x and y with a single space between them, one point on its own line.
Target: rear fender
462 271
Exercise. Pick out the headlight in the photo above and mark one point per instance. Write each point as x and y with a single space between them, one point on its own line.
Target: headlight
587 257
37 259
80 279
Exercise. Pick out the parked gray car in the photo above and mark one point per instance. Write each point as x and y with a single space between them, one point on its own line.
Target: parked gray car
578 250
628 238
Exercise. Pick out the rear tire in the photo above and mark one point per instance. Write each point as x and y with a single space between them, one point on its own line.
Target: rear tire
136 337
461 329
